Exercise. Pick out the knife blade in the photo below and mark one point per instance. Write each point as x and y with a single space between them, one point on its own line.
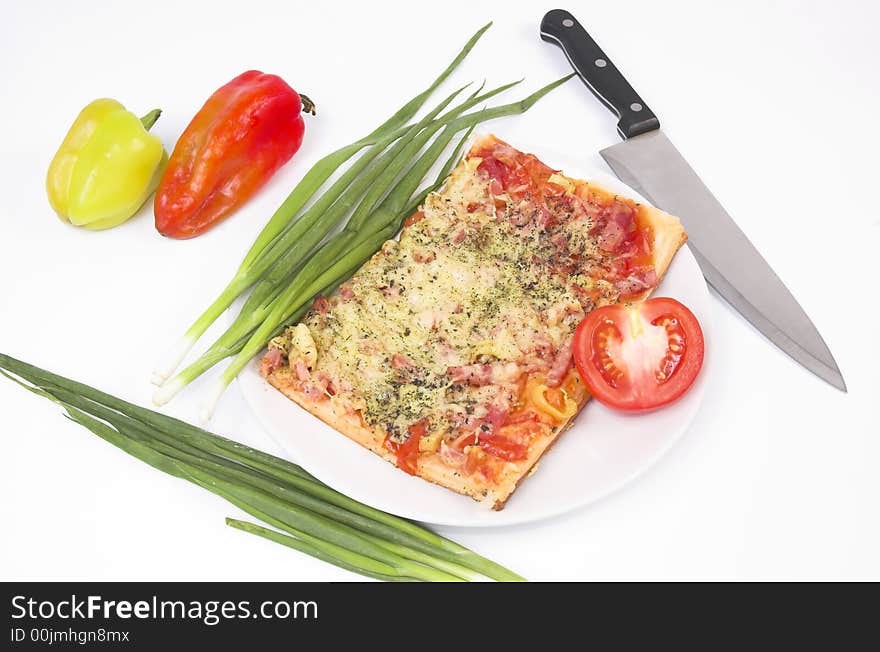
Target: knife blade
648 162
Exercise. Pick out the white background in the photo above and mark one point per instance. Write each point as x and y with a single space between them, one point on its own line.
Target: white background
775 104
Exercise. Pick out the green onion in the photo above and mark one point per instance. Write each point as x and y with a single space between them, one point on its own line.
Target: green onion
365 566
313 518
283 218
316 527
288 251
220 467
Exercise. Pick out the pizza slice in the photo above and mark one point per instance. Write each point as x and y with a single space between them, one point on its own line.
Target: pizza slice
449 352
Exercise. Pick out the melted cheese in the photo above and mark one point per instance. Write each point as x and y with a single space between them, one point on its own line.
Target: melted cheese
460 287
302 345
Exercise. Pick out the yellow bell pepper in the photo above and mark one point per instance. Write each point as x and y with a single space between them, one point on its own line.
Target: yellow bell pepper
107 166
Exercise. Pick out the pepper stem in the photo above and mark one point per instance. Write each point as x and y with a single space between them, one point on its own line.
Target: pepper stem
150 119
308 105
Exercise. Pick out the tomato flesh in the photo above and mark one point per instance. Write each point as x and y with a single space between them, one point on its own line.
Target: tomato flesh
504 448
407 453
640 357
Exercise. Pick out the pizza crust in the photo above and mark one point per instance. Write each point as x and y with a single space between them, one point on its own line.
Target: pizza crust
431 467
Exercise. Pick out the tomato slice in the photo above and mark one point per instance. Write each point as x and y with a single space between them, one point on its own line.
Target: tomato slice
505 448
638 358
408 452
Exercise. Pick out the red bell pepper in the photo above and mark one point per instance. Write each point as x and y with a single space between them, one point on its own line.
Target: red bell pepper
245 131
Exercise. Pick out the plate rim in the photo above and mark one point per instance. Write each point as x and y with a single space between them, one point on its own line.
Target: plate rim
249 381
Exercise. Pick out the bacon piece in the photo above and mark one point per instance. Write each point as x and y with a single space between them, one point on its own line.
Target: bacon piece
301 371
456 418
561 365
611 236
478 375
533 365
273 359
390 291
471 374
539 343
462 440
321 305
451 456
326 384
496 170
522 214
318 388
459 236
399 361
405 370
621 220
422 256
586 298
547 220
507 154
637 282
430 318
519 218
592 209
346 292
313 391
497 413
560 241
369 346
559 311
623 214
580 209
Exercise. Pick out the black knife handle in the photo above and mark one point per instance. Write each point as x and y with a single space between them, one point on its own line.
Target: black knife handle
598 73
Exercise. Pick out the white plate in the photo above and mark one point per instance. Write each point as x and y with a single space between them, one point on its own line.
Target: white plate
600 453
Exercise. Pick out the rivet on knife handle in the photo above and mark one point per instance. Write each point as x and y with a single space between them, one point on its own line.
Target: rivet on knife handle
598 73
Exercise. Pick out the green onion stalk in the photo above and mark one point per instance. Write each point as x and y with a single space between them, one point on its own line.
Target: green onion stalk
283 221
288 253
306 515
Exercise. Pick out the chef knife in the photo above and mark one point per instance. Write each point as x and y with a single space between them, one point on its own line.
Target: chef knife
648 162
